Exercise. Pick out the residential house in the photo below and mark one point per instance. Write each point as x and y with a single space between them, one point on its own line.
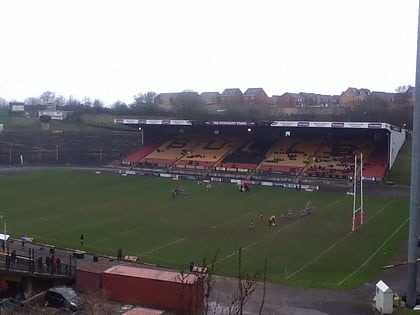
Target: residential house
384 96
273 100
330 100
210 98
353 96
166 100
288 100
321 100
255 96
188 98
231 97
310 99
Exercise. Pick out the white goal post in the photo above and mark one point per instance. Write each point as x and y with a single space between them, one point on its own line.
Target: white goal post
360 208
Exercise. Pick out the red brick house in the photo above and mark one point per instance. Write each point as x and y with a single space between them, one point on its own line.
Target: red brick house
231 97
210 98
384 96
288 100
353 96
255 96
166 100
328 100
319 100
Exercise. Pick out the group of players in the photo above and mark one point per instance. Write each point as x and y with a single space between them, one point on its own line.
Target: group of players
179 191
307 210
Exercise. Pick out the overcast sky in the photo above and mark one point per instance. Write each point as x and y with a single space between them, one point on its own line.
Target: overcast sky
113 50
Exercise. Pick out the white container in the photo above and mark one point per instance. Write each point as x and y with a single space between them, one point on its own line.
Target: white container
384 298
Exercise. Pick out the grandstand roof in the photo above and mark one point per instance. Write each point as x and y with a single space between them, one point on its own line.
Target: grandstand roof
303 124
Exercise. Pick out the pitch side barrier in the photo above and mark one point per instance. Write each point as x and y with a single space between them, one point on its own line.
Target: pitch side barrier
235 181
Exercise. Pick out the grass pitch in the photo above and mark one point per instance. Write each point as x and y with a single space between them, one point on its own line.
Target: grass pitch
139 215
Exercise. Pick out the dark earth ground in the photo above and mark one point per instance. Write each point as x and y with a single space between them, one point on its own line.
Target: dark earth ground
287 300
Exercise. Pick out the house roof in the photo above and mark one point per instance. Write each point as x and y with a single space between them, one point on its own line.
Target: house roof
167 95
329 97
305 94
209 94
229 92
358 92
320 96
295 95
382 94
253 91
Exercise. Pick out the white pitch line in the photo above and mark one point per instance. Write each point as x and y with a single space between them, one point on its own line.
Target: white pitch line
255 243
164 245
187 237
374 254
179 240
270 236
335 243
318 257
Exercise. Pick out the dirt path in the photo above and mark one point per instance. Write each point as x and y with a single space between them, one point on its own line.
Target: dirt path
292 300
287 300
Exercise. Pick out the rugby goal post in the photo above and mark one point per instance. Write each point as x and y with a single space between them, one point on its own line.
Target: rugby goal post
360 209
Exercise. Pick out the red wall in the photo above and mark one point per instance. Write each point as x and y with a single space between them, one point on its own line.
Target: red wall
88 281
173 296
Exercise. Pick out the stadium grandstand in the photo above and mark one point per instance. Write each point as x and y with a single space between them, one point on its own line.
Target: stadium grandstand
293 151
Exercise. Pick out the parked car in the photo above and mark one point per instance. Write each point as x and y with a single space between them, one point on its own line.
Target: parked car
63 297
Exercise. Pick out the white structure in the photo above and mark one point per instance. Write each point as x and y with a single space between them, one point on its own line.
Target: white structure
384 298
55 115
4 237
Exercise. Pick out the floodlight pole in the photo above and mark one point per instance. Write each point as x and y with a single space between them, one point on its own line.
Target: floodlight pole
353 221
413 232
362 214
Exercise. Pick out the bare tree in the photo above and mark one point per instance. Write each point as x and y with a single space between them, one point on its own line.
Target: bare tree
47 97
246 287
98 104
403 95
86 102
402 88
144 99
97 303
264 287
32 101
120 107
3 104
209 281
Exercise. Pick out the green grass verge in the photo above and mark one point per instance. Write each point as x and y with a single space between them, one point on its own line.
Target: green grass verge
13 123
139 215
400 173
88 124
